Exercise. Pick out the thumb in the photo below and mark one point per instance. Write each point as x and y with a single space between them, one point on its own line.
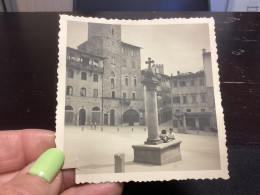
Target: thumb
43 177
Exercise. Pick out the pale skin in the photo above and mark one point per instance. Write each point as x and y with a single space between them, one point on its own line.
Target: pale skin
20 148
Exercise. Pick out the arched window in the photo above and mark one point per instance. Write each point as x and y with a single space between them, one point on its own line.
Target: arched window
135 81
112 83
83 76
112 74
83 91
70 73
69 90
96 109
95 93
95 78
68 108
126 80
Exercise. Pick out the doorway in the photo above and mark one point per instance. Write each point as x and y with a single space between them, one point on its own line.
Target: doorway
69 115
96 115
105 119
82 117
112 117
131 116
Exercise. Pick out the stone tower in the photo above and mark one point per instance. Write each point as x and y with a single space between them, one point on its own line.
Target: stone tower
158 68
105 40
122 89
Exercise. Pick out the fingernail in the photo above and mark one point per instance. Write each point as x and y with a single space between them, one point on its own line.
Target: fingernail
48 164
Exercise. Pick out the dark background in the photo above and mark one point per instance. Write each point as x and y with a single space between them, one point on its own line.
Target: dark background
28 83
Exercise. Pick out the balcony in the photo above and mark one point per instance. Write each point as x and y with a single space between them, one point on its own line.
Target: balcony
82 66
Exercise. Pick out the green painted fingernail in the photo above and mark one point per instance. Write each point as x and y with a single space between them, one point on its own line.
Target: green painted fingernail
48 164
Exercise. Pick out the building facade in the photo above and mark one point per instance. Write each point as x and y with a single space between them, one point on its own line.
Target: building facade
193 104
83 87
117 97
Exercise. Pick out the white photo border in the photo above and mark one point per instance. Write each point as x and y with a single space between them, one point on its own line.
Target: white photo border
142 176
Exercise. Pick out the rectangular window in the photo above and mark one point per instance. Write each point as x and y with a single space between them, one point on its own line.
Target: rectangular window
113 60
193 98
188 110
126 81
82 92
133 96
95 93
135 82
113 94
183 83
202 82
202 110
132 53
123 49
124 63
124 96
177 111
203 98
112 83
184 99
192 83
175 83
176 100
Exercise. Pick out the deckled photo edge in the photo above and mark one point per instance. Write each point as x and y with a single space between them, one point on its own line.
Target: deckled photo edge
96 178
218 101
62 41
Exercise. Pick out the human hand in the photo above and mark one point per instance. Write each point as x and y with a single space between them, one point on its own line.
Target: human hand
20 148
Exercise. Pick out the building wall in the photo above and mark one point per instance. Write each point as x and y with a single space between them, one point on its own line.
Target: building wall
76 65
197 89
196 96
121 61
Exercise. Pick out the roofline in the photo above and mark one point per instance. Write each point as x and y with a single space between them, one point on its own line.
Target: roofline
130 45
200 73
86 53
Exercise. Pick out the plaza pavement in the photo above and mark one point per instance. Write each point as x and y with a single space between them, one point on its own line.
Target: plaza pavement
92 151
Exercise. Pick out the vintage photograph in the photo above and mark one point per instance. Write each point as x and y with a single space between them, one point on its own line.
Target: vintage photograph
140 100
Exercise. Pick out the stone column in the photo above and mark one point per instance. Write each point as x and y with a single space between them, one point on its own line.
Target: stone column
152 114
151 84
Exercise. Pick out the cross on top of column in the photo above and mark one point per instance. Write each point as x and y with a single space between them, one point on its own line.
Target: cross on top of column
149 62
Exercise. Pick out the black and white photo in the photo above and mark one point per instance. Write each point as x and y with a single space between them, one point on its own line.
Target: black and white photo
141 97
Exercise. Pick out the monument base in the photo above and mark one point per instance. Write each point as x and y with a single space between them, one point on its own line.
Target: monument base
153 142
157 154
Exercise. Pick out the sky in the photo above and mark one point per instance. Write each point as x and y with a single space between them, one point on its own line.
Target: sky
177 46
